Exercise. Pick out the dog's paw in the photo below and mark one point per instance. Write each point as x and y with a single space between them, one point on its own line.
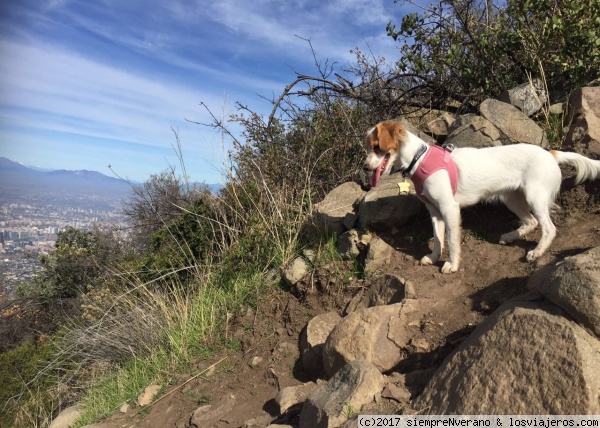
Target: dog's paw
508 238
427 260
449 268
531 256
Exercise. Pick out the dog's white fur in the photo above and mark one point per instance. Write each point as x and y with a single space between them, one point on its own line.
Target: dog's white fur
526 178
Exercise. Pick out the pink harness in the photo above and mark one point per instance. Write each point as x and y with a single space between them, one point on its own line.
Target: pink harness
435 159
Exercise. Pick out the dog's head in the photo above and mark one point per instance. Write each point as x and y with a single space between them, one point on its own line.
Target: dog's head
383 143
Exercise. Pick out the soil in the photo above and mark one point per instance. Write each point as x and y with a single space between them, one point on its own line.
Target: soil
490 274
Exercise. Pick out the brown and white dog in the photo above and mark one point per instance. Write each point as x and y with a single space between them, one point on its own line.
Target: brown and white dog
525 177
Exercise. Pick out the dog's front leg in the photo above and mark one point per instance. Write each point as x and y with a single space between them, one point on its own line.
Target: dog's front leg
451 214
439 229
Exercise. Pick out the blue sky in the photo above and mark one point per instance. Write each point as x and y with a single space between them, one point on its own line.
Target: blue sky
87 84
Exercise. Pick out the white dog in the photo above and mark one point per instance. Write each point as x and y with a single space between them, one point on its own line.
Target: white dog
524 177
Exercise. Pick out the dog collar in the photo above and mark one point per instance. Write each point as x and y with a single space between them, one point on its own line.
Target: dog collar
420 152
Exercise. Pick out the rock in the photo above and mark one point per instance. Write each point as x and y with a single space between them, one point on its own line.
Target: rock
528 97
384 208
414 130
513 123
312 340
347 244
378 335
396 392
279 426
208 415
293 395
583 113
353 386
66 418
383 290
255 361
295 271
574 285
526 358
147 396
378 254
439 127
473 131
332 211
556 109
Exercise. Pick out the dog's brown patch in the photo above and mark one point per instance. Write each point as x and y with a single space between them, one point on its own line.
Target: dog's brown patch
387 136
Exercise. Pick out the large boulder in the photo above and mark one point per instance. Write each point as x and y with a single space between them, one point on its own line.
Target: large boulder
528 357
355 385
379 334
574 285
583 113
473 131
384 207
528 97
336 212
513 123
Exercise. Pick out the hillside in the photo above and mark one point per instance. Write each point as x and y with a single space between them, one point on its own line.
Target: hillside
241 387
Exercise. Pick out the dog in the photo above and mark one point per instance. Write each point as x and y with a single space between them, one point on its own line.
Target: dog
525 177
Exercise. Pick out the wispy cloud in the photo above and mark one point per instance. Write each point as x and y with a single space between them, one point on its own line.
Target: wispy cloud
114 77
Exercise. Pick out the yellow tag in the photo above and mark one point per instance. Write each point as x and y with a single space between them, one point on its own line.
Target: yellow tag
404 187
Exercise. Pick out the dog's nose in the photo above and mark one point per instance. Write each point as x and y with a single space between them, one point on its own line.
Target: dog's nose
366 167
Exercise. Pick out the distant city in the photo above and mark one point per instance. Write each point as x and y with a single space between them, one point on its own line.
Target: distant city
35 206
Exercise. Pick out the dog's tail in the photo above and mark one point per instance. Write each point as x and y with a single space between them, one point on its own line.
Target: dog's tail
587 169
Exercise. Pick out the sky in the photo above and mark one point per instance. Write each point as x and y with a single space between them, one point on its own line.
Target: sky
92 84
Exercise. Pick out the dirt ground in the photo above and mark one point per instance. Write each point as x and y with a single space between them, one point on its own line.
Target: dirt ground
490 274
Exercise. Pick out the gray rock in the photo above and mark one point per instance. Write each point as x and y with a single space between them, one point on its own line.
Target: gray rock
293 395
295 271
347 244
353 386
378 255
331 213
383 290
526 358
583 114
66 418
312 340
379 334
513 123
528 97
384 208
473 131
574 285
209 414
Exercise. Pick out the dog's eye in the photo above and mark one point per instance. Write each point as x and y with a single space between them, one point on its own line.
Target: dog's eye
376 147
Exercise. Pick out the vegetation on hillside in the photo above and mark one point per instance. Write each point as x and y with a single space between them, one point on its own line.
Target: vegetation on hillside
155 303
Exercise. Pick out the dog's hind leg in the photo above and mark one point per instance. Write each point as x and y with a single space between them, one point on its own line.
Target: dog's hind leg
439 228
542 214
517 203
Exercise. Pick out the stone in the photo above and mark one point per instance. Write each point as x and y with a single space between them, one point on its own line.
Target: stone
439 127
378 255
384 208
347 244
312 340
355 385
293 395
574 285
332 211
528 357
66 418
383 290
379 335
583 115
416 131
295 271
528 97
512 123
473 131
209 414
147 396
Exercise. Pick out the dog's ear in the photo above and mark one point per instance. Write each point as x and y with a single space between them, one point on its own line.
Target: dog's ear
391 134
